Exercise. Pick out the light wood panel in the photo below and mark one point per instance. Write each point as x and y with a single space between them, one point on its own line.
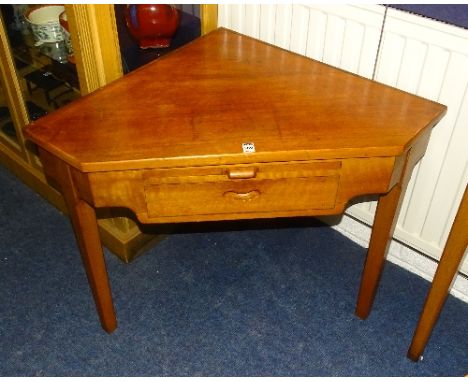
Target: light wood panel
95 42
11 89
209 17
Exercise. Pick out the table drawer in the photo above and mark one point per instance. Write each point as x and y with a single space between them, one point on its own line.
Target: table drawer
242 189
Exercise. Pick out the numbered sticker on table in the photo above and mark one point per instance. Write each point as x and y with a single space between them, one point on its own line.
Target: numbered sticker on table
248 147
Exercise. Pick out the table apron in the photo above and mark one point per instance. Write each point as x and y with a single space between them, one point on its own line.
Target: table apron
278 189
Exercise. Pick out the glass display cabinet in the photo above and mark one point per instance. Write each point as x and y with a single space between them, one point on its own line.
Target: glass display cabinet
40 74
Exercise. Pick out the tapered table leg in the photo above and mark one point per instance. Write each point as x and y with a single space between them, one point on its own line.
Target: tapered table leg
381 233
385 220
84 223
450 261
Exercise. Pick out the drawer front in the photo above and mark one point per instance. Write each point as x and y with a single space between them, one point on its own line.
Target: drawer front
243 189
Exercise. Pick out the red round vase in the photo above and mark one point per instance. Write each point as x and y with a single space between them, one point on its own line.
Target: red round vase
152 25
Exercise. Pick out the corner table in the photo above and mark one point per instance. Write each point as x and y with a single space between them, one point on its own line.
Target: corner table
228 127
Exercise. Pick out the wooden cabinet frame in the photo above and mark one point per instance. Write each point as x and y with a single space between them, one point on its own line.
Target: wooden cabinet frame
95 41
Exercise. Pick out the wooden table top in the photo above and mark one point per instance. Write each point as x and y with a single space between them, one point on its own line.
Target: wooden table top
199 104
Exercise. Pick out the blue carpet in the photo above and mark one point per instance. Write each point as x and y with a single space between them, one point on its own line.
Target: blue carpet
455 14
266 301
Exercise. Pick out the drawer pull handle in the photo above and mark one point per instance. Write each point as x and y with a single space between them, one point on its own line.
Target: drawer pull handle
244 196
242 173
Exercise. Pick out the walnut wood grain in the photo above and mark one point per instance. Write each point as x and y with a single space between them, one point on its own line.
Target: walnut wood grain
166 142
196 106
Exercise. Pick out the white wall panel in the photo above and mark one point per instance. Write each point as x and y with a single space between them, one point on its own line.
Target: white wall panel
345 36
353 36
430 59
267 22
417 55
299 30
316 30
252 20
282 25
342 36
237 17
334 36
223 16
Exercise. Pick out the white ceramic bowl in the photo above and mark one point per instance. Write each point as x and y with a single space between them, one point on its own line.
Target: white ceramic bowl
45 24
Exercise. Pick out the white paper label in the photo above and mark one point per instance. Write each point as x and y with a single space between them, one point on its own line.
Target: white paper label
248 147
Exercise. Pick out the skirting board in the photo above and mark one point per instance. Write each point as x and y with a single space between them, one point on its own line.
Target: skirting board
398 253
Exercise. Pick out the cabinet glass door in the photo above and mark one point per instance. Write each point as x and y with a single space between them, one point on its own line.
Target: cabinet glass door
7 127
43 56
